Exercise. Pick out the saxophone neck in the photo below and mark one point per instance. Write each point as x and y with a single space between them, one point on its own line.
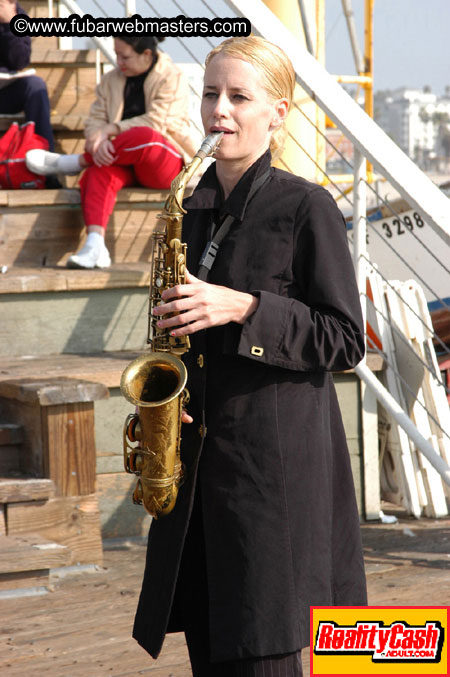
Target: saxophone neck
173 208
174 202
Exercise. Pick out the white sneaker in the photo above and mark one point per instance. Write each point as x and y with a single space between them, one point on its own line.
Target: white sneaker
44 163
90 257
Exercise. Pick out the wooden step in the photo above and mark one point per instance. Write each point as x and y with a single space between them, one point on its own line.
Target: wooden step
51 56
26 559
23 279
18 489
93 312
103 368
42 228
70 76
72 521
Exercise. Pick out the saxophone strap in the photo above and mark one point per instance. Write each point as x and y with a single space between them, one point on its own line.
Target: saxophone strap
210 252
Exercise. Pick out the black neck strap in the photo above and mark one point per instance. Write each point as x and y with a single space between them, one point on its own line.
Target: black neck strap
209 255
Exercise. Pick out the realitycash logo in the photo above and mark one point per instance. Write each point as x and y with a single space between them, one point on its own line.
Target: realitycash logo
398 642
379 641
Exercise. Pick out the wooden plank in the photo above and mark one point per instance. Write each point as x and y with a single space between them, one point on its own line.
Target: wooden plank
66 438
34 231
30 552
40 237
38 198
105 368
14 490
71 521
52 391
24 579
48 236
62 196
20 280
69 435
71 89
84 57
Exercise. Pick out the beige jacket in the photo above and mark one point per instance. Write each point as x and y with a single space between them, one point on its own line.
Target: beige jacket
167 102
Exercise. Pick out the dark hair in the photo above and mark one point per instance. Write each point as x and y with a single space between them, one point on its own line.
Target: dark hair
141 42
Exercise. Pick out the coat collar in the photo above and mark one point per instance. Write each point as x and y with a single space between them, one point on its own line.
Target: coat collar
208 194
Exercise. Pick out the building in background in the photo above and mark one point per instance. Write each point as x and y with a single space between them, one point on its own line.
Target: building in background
419 122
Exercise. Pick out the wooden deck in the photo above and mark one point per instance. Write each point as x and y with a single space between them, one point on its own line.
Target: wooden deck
83 626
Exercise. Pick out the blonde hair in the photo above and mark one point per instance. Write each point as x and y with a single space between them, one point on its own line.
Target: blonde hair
275 68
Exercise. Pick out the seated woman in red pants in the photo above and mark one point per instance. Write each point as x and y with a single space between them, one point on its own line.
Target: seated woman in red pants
137 133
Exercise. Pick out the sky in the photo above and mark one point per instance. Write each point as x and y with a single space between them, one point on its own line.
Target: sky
411 42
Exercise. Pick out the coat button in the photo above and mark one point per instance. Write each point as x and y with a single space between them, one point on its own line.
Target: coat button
257 350
202 430
200 361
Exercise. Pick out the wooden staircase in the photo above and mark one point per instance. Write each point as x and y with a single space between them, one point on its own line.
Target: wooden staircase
65 338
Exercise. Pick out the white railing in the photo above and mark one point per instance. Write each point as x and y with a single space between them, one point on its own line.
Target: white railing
369 141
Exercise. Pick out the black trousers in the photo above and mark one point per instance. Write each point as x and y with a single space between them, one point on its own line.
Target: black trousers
284 665
30 95
192 607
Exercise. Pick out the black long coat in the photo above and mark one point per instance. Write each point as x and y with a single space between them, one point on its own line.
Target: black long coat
281 527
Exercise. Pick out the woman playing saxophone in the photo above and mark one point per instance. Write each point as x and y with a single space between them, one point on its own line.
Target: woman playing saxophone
265 524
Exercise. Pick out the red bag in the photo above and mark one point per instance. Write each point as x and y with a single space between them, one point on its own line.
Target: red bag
13 146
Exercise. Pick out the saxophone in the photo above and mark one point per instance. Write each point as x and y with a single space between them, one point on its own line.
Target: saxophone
155 382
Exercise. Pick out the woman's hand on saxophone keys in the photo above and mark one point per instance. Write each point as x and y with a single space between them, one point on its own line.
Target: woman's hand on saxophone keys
200 305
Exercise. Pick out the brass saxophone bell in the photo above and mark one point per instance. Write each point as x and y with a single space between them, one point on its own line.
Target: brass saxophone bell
155 384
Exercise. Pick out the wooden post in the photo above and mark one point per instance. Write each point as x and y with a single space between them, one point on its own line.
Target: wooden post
58 418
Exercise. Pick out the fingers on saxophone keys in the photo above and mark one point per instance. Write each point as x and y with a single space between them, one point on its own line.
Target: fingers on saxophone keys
178 291
174 321
176 306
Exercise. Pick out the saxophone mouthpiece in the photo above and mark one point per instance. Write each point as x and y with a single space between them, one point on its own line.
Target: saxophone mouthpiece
210 144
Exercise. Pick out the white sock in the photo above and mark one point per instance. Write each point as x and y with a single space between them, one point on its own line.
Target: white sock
69 164
95 240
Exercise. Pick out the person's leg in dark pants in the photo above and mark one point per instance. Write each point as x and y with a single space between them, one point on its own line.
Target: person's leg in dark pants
192 603
29 95
284 665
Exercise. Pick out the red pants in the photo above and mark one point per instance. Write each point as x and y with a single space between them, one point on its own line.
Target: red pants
143 157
